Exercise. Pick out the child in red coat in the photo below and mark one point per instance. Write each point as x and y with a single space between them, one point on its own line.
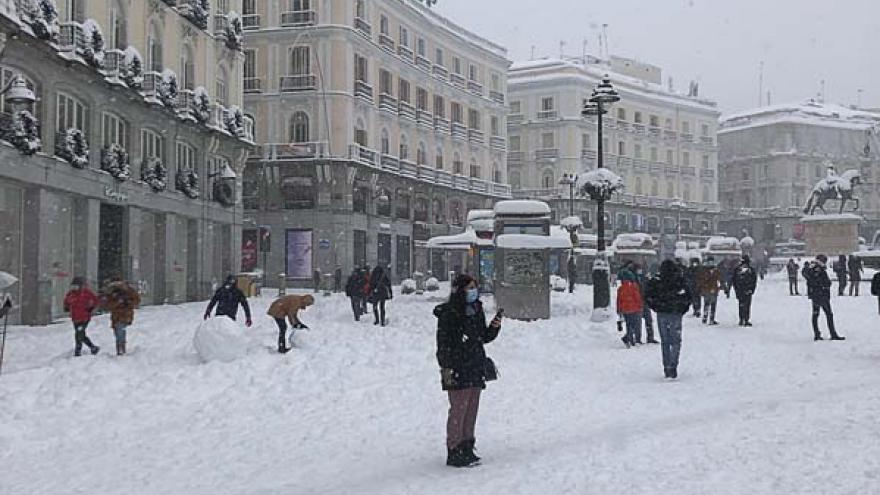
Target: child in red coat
80 302
629 305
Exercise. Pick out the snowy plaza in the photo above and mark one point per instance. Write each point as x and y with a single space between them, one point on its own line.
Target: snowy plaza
356 408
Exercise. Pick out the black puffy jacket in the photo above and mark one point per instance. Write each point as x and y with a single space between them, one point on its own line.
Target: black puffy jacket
667 292
875 285
818 282
227 298
460 340
744 280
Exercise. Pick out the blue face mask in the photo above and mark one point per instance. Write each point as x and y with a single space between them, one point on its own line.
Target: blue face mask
472 295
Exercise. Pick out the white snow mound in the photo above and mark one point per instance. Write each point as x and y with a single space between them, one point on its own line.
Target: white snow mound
220 339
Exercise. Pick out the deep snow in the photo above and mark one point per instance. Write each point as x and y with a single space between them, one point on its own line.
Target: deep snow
357 409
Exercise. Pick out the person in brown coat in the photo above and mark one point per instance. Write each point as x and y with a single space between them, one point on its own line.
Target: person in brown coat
121 300
708 287
288 307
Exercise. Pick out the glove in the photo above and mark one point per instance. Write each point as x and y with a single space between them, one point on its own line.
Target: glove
248 323
447 375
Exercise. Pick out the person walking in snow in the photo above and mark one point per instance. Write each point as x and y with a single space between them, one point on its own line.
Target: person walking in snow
691 274
464 367
840 269
365 300
727 270
744 283
792 268
854 266
629 304
875 288
287 308
380 291
647 316
709 285
354 290
81 302
227 299
337 279
121 300
667 294
819 292
572 273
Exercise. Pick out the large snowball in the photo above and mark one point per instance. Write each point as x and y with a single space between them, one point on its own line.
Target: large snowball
220 339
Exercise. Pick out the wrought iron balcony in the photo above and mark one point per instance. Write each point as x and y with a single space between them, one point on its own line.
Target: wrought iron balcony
363 91
496 96
297 18
387 42
362 26
547 114
250 22
253 85
387 103
406 111
298 82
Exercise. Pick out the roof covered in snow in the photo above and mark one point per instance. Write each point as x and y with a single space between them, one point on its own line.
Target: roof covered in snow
521 207
810 112
625 242
464 240
723 244
528 241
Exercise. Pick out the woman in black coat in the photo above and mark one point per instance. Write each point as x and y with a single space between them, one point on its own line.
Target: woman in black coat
464 367
380 291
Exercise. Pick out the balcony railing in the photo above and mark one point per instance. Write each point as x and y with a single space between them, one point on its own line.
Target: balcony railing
444 178
670 135
424 118
459 131
639 128
672 170
476 136
113 61
387 103
547 114
623 125
406 111
409 169
296 18
689 170
496 96
186 103
502 190
293 151
687 137
457 80
253 85
708 140
427 173
497 143
387 42
389 162
707 174
515 119
363 27
640 166
405 53
298 82
655 132
363 155
440 71
363 91
515 157
71 39
150 86
475 88
250 22
441 125
547 154
588 154
220 23
479 185
423 63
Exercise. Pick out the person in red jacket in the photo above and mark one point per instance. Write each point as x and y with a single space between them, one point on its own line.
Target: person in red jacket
80 302
629 304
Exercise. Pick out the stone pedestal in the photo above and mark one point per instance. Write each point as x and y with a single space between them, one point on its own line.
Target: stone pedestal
831 235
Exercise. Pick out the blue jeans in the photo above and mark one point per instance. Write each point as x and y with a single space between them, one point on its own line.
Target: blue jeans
119 332
669 325
633 327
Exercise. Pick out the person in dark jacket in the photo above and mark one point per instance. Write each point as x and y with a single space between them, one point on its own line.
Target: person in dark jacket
647 316
744 282
792 268
840 269
854 266
365 299
337 279
691 274
875 288
464 367
668 295
819 291
227 299
708 285
316 280
572 273
380 291
81 302
354 290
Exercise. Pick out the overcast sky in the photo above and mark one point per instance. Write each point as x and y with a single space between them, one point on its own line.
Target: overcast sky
720 43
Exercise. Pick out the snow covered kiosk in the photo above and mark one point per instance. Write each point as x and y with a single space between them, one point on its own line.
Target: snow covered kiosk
636 247
523 247
723 249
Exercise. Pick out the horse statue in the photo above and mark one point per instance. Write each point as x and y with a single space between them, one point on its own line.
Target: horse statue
840 187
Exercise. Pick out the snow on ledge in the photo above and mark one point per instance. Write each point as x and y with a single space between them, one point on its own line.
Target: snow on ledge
573 222
521 207
842 217
528 241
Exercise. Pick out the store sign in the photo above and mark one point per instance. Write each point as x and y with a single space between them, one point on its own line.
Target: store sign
115 195
249 241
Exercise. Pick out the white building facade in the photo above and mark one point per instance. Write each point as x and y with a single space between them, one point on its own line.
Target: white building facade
662 143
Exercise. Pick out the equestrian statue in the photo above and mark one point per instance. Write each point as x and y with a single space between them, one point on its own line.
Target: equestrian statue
840 187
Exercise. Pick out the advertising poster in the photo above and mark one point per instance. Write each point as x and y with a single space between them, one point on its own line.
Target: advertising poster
299 254
248 250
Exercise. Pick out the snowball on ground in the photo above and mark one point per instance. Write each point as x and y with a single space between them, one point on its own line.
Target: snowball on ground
408 285
220 339
528 241
521 207
573 222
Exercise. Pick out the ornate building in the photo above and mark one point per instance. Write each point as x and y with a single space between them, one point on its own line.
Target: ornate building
122 138
661 142
380 123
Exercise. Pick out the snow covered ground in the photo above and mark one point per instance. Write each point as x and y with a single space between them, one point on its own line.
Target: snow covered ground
357 409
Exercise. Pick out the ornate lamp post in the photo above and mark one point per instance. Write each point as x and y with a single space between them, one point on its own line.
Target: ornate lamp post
603 97
569 180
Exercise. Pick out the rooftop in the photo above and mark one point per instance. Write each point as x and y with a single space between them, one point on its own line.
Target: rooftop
810 112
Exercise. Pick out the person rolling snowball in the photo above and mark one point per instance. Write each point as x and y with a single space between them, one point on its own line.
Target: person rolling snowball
227 299
288 307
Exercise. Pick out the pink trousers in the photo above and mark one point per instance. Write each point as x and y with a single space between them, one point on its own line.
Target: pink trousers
463 407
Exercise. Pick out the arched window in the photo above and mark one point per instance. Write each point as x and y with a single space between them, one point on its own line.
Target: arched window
360 9
548 180
360 133
474 169
385 143
421 154
457 164
655 188
221 87
118 27
74 10
438 159
404 148
515 180
687 192
638 185
188 70
706 197
299 128
154 49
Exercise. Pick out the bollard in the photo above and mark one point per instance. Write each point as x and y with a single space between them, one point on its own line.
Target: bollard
420 283
282 284
328 284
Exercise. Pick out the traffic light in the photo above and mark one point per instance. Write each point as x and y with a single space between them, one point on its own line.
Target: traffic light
265 240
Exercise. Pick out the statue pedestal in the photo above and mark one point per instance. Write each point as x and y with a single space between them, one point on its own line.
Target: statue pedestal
831 235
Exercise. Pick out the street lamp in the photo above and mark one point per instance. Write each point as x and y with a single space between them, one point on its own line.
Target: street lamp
604 95
678 205
569 180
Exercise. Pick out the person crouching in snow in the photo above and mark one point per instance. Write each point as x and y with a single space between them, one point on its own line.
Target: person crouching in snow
121 300
80 302
629 304
288 307
227 298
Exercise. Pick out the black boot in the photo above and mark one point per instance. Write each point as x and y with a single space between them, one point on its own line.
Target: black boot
817 337
455 457
834 336
467 449
95 350
673 373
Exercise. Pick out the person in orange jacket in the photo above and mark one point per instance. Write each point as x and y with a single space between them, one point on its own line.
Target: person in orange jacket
629 304
288 307
121 300
81 302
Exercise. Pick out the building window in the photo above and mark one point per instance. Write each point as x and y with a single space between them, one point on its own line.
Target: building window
654 157
403 90
548 140
638 185
668 124
685 127
439 107
586 141
118 28
704 130
637 151
474 119
300 61
361 69
654 121
670 157
686 195
496 82
515 180
475 170
249 7
438 56
152 145
383 25
686 159
421 154
385 143
299 128
548 180
457 164
706 197
705 161
154 50
221 88
496 174
186 158
438 159
360 9
745 174
360 134
114 131
515 107
71 114
187 68
404 36
457 113
422 99
403 148
670 190
547 104
386 83
456 65
74 10
494 127
250 65
421 47
621 148
655 188
473 72
637 117
621 114
514 143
